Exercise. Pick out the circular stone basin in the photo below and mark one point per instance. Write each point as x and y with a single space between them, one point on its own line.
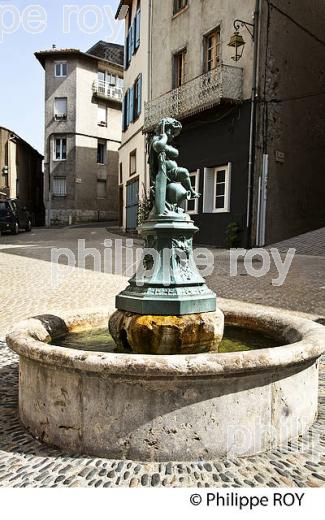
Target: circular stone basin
169 408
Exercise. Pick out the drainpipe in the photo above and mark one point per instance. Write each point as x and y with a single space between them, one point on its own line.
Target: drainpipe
149 81
251 160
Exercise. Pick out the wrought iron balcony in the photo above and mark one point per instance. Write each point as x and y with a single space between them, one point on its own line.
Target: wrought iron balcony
104 90
223 83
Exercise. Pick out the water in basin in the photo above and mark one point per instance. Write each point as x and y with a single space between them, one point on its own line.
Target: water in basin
236 339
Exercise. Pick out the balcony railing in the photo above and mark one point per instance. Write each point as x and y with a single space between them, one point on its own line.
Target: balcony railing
107 91
205 91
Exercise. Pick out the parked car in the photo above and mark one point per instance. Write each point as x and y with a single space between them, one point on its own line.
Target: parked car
14 216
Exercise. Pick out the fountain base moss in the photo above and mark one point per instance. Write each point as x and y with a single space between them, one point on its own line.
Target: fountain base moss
188 334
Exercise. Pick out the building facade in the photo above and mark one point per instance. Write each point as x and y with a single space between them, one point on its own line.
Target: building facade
83 120
243 78
133 176
288 186
21 174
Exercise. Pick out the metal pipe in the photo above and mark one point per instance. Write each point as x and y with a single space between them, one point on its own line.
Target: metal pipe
251 159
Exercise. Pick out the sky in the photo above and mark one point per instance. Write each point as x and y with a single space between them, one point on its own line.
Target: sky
26 27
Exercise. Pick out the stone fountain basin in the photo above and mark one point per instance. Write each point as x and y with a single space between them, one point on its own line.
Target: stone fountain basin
169 408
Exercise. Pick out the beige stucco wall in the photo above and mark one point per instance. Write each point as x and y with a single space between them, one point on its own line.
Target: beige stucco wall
187 29
133 139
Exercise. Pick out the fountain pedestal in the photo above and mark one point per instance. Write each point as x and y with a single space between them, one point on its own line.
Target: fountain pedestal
167 307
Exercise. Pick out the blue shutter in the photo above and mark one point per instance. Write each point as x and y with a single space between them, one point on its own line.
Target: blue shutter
139 95
124 115
137 29
130 45
126 47
127 120
131 104
133 36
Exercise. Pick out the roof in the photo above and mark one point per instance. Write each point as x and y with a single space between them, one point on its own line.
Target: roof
122 9
16 136
111 53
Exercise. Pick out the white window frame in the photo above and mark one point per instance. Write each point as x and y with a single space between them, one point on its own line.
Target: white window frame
195 174
226 207
61 63
57 115
64 179
209 189
102 122
61 149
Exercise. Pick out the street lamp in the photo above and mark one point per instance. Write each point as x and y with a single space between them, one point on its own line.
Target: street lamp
237 41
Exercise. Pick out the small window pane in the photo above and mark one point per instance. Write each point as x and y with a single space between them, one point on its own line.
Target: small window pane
191 205
221 176
60 108
61 69
101 153
57 149
59 186
220 202
221 189
133 163
64 148
102 115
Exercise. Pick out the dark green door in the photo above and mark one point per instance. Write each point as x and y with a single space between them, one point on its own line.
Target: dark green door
132 203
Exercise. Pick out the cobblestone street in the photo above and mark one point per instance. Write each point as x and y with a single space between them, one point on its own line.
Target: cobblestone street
27 289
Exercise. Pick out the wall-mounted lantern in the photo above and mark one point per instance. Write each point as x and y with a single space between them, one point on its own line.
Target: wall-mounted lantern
237 41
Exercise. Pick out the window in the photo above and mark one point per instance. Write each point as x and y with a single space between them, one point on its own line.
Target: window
179 68
101 152
59 186
137 92
192 205
121 173
61 69
217 184
212 50
101 189
60 149
102 115
132 103
60 109
132 42
179 5
133 162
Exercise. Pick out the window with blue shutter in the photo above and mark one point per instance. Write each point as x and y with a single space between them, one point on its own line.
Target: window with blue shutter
124 115
126 50
126 109
131 105
133 37
139 94
129 45
137 29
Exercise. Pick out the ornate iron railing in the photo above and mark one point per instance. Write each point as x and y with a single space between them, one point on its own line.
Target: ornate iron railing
104 89
201 93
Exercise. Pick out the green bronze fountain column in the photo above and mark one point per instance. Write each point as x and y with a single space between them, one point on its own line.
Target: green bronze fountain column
167 307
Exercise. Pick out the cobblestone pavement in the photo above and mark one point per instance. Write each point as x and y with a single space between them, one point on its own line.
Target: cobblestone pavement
312 243
26 290
26 462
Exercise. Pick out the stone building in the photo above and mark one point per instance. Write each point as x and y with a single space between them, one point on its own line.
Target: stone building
83 121
251 111
21 174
